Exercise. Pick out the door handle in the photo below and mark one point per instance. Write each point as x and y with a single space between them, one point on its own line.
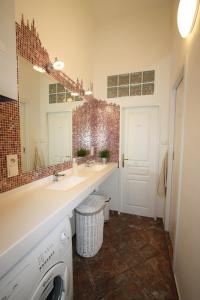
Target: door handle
123 160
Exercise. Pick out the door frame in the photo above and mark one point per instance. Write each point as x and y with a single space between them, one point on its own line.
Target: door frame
182 77
122 109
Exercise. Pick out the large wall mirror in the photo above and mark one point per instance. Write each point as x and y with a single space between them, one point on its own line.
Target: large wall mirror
46 102
45 118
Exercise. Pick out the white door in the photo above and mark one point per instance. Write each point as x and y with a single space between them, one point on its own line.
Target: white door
60 137
178 132
140 149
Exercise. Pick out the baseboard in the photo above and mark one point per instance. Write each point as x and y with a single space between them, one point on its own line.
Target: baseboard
177 287
169 247
170 253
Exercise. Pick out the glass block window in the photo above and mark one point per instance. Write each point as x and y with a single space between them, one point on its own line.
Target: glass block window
135 90
131 84
112 81
112 92
123 91
124 79
136 77
59 94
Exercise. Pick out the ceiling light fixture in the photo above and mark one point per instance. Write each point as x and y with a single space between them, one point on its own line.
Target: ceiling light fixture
58 64
186 16
39 69
88 92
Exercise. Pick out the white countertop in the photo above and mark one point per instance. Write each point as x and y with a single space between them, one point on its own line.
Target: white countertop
25 210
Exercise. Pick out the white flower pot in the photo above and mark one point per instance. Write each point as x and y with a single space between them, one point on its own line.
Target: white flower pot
104 160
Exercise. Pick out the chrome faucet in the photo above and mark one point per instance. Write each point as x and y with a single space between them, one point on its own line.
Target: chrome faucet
56 175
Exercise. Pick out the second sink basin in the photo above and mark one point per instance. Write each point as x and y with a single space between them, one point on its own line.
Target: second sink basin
67 183
98 167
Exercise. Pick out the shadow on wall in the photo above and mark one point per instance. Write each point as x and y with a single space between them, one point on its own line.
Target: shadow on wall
97 123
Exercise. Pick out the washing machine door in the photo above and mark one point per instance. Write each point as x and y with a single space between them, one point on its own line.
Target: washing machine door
53 285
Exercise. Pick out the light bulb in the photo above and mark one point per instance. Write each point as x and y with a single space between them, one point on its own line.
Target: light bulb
74 94
58 64
88 93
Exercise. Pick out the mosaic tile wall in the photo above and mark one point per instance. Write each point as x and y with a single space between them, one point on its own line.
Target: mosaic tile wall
104 120
97 123
131 84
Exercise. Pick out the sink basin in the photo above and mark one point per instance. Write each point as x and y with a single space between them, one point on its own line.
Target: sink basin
98 167
66 184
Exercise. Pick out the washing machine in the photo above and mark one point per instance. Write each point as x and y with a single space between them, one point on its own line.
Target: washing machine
46 272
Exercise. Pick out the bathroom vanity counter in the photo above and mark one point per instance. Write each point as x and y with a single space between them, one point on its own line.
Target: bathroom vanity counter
28 213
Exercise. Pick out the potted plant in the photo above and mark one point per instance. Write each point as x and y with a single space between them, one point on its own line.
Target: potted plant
81 152
104 154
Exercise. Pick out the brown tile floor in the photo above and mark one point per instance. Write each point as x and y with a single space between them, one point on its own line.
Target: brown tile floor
133 263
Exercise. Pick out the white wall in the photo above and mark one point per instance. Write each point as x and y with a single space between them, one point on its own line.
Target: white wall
65 28
187 249
135 36
8 65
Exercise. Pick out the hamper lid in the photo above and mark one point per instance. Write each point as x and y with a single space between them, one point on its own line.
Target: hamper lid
91 204
106 197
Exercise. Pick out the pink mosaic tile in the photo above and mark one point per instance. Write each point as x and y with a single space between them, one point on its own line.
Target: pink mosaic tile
97 123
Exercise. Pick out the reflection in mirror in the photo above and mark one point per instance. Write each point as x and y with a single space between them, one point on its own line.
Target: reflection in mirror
45 118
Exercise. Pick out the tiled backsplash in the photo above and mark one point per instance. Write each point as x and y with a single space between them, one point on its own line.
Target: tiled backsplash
96 123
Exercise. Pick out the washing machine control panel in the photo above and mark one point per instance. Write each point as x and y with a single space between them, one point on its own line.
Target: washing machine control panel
46 256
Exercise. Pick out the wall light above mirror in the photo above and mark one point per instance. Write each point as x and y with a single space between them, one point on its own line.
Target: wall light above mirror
58 64
38 69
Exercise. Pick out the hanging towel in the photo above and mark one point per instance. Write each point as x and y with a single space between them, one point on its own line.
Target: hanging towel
38 160
162 182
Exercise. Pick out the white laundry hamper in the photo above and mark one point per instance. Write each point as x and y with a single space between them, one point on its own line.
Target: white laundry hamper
89 225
